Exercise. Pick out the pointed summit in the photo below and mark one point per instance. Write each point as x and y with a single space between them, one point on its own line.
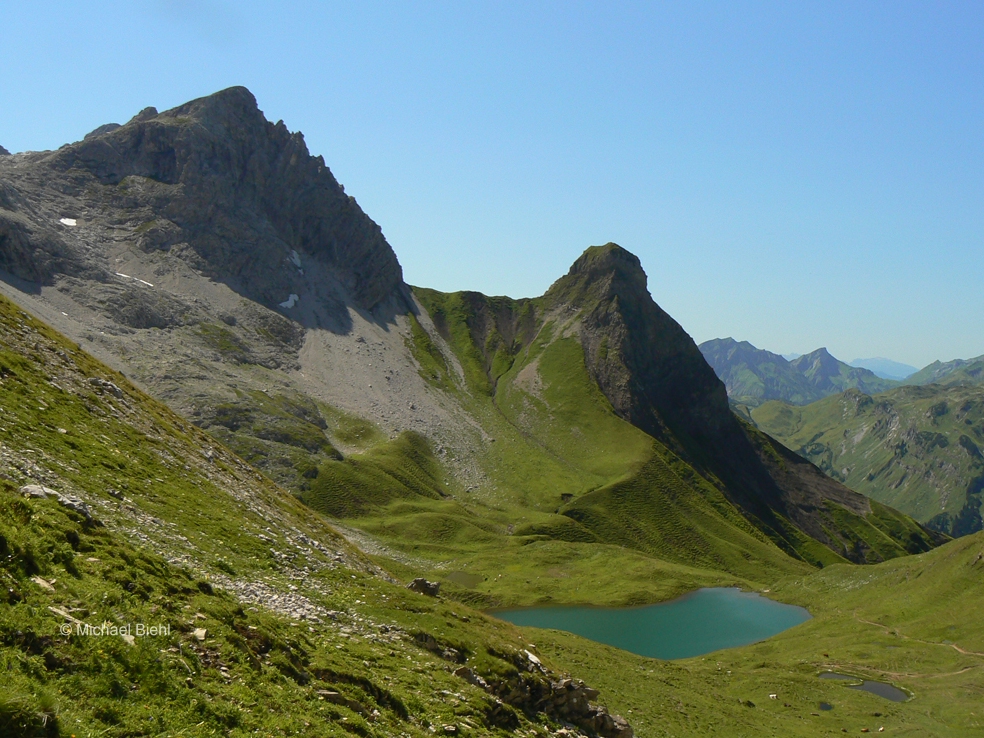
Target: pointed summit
600 272
646 364
818 361
223 112
242 192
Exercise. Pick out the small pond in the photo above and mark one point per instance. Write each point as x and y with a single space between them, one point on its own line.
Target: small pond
866 685
699 622
464 579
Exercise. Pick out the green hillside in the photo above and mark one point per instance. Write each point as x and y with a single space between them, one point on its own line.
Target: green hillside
572 488
562 464
914 448
958 371
271 623
278 627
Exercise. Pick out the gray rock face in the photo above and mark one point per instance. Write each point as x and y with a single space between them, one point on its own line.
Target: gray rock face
108 128
4 152
236 194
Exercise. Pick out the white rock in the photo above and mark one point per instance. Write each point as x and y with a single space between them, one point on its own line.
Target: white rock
70 222
44 584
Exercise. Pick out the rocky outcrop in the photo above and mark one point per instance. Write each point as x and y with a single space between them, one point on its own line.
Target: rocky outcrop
533 689
422 586
74 504
655 377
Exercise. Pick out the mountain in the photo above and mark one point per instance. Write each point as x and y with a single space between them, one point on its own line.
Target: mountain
829 375
204 252
572 448
914 448
885 368
958 371
753 376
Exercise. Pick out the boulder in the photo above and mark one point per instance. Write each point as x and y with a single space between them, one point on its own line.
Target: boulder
424 587
108 386
72 503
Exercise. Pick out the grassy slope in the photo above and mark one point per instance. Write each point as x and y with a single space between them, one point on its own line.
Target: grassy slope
573 488
754 376
566 475
914 448
260 672
185 518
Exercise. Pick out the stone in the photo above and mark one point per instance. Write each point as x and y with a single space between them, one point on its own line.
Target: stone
336 698
74 504
144 115
469 675
424 587
107 385
199 634
43 583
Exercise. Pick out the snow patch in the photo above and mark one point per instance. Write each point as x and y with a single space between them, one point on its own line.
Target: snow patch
291 301
70 222
135 279
295 257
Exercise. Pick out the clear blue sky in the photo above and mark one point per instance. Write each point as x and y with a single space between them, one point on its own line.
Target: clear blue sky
796 174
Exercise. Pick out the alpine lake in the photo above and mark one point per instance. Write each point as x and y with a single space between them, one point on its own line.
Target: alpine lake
700 622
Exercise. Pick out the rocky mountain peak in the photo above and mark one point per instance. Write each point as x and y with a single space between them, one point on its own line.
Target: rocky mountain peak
602 272
4 152
236 196
820 356
649 368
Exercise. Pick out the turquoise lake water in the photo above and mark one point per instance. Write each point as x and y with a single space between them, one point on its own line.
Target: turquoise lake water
700 622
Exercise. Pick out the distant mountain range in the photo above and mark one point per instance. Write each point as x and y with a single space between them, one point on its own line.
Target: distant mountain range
753 376
914 445
886 368
956 372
